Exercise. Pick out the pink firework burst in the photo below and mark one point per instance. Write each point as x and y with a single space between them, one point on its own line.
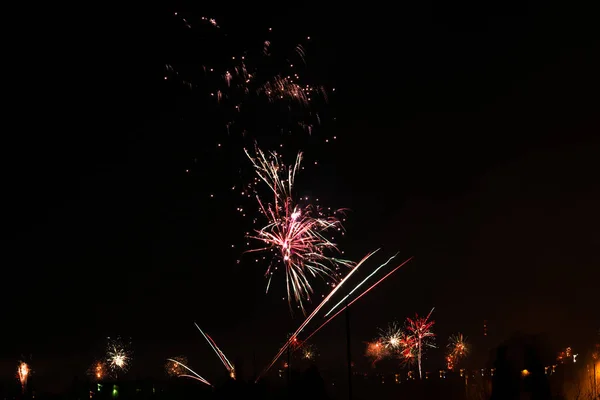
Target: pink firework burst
297 235
419 336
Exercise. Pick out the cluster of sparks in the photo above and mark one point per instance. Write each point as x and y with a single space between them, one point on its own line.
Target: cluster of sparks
118 357
248 79
298 236
406 343
23 372
174 368
97 371
457 349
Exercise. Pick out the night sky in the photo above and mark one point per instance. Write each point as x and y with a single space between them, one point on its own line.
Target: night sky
466 137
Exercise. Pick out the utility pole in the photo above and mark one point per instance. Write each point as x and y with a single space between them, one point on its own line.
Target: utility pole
348 351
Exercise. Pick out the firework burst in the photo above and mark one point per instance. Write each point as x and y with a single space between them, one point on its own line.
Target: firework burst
23 373
457 349
309 352
295 234
419 336
97 371
175 368
376 351
118 356
391 337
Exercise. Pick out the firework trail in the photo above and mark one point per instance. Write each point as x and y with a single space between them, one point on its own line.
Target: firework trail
230 368
457 349
23 372
294 336
376 351
295 234
194 375
361 283
419 335
175 368
357 298
118 356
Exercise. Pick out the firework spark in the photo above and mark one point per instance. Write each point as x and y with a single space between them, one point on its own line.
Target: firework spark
419 336
309 352
295 234
23 372
457 349
175 368
251 79
118 356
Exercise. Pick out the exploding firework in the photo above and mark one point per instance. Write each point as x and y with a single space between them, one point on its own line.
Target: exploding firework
419 336
295 234
23 372
309 352
377 351
457 349
175 368
97 371
391 337
118 356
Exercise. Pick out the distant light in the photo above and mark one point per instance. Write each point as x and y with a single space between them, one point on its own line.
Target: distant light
524 373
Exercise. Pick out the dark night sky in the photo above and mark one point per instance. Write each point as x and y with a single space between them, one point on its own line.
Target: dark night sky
467 138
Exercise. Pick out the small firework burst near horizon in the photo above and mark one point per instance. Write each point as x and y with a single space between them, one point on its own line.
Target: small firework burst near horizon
119 356
97 371
376 351
299 237
175 366
23 373
457 349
